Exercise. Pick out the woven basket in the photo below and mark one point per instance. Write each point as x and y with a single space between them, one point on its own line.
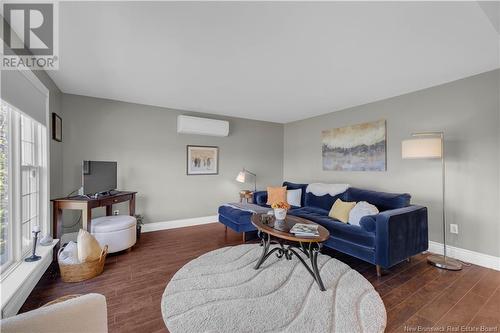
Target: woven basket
61 299
84 271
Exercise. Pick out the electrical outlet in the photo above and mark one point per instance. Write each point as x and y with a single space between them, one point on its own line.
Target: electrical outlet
116 212
454 228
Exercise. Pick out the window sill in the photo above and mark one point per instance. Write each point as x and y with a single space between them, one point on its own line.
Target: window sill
19 283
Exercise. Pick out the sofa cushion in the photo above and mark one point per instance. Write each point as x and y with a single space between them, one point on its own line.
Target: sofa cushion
337 229
324 202
351 233
347 232
382 200
308 211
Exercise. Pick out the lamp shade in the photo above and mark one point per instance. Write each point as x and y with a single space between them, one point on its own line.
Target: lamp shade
422 147
241 178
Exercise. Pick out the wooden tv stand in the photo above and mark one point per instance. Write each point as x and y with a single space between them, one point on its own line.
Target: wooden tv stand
85 205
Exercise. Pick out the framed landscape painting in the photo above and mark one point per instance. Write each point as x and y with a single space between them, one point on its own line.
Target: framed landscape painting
355 148
202 160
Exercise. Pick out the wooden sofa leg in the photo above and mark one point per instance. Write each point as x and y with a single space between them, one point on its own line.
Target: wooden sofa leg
379 270
244 240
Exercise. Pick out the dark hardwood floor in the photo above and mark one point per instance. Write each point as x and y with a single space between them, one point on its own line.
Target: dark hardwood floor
415 293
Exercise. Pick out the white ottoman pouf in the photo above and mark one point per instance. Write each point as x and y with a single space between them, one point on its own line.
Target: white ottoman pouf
118 232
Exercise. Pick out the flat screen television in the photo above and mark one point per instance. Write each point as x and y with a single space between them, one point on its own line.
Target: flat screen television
98 177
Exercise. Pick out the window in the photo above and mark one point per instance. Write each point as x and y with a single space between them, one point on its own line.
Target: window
23 190
5 242
30 177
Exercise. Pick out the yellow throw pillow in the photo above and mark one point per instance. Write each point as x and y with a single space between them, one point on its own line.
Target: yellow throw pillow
88 247
276 194
340 210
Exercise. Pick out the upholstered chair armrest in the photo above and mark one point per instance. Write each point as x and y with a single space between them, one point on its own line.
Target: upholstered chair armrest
400 233
87 313
260 198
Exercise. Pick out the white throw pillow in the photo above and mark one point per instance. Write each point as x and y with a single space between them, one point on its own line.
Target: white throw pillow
321 189
69 255
293 197
361 209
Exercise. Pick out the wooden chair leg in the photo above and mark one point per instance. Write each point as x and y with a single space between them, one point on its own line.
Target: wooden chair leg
379 270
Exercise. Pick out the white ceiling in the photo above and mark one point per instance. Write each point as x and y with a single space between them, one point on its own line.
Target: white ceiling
271 61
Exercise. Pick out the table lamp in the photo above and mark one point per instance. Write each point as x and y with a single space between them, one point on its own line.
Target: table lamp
430 145
243 177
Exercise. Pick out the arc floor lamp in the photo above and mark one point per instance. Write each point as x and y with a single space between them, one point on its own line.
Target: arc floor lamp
243 177
430 145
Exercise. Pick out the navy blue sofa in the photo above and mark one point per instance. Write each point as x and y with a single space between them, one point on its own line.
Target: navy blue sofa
398 232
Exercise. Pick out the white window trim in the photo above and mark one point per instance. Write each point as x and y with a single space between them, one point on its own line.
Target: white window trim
44 172
17 286
38 163
10 262
20 278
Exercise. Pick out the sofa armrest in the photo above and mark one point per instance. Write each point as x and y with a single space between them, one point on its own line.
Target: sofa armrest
61 317
260 198
399 234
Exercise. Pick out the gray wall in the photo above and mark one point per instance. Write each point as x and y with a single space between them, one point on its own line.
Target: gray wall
151 155
468 111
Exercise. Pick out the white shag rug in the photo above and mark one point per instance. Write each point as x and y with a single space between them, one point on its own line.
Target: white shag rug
221 292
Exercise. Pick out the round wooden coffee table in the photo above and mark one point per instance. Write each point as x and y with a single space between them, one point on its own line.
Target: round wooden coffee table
277 232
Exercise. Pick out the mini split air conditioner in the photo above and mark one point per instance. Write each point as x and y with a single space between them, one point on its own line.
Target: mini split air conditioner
202 126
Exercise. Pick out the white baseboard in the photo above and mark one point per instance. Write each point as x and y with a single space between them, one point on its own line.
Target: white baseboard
155 226
472 257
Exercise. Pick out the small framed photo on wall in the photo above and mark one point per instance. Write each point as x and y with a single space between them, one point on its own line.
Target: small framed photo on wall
56 127
202 160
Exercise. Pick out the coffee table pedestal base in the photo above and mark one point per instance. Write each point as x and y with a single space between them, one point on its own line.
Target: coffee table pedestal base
310 250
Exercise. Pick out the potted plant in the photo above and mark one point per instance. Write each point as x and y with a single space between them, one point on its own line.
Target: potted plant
140 222
280 209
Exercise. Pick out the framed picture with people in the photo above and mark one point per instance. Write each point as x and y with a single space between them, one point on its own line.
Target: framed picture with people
202 160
